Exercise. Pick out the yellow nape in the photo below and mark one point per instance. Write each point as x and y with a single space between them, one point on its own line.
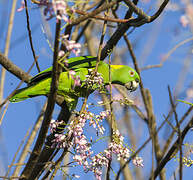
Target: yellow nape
116 66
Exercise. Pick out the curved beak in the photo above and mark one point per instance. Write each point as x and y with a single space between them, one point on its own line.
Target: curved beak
132 85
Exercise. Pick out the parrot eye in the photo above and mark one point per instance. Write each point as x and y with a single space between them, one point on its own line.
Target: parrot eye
131 73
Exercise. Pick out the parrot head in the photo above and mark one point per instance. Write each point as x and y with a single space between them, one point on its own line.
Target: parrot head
126 76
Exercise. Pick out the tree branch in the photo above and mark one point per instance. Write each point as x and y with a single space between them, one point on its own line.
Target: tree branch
125 26
95 12
12 68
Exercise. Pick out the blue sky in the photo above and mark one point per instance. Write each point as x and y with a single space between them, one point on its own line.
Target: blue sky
21 116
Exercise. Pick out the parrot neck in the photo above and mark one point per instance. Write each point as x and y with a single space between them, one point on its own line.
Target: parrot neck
117 74
116 77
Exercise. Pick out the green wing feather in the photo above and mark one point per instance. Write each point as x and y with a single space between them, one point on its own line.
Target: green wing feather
73 63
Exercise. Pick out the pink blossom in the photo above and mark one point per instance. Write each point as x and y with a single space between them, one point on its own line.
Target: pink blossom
61 53
71 45
59 7
138 161
77 157
104 114
76 79
184 20
72 72
54 124
117 97
22 6
189 93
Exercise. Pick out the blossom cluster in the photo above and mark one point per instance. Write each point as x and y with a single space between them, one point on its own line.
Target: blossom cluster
59 10
187 159
93 80
183 6
60 140
51 9
102 159
76 138
75 130
54 125
94 121
71 45
81 144
186 18
138 161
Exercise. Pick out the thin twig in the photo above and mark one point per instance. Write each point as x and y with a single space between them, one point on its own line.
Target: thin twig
30 140
139 21
134 59
15 156
134 107
174 49
30 36
10 178
179 133
87 23
173 149
94 12
137 10
104 18
151 66
7 45
4 112
112 120
101 41
58 162
20 83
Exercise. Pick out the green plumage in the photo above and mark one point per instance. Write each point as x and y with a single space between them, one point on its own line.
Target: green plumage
40 84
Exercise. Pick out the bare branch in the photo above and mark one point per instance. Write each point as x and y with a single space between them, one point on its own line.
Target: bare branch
12 68
95 12
179 133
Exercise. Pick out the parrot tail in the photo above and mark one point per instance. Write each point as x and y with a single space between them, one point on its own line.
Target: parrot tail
25 93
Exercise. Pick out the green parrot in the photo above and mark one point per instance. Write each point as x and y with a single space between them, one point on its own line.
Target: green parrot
81 68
